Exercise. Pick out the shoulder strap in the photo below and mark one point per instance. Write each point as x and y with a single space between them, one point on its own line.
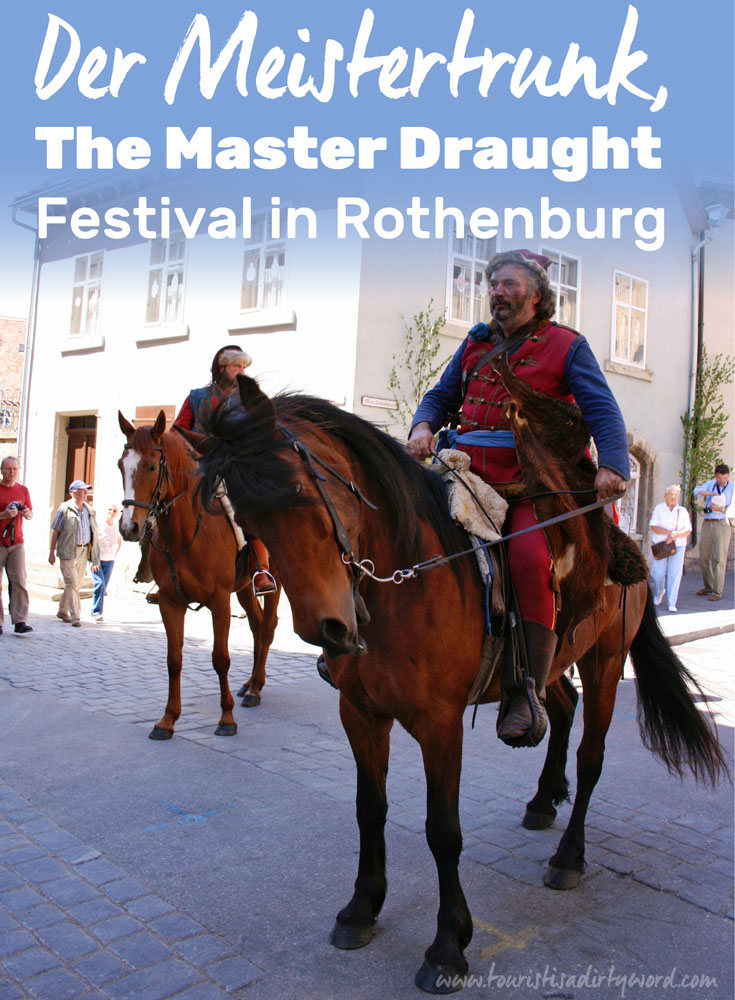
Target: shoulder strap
506 344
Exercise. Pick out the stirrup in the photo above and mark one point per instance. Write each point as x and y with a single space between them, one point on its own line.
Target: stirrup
539 722
266 588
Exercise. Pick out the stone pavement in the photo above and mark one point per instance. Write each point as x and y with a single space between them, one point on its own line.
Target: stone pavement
131 869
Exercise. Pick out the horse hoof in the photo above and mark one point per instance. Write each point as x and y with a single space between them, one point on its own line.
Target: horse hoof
160 734
538 821
561 878
243 690
251 701
348 938
440 979
226 729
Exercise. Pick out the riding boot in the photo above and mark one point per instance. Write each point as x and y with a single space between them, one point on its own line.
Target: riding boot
144 573
524 723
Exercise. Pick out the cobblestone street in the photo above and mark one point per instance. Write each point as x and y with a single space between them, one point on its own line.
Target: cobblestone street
120 856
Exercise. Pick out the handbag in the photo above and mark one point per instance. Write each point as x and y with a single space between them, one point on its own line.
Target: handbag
662 550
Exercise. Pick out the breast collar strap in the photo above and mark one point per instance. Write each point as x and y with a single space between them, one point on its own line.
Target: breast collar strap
311 460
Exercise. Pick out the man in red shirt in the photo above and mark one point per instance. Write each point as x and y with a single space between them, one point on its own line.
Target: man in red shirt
15 507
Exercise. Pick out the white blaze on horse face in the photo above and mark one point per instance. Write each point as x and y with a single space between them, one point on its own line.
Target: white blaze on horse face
130 463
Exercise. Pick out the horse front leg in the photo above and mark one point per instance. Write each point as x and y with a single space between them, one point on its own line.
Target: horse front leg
600 673
370 741
445 967
220 608
172 614
553 788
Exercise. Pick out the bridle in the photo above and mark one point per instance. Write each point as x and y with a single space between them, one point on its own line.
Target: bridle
157 507
340 532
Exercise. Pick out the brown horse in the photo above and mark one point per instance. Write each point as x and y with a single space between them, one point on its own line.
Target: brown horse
304 477
193 558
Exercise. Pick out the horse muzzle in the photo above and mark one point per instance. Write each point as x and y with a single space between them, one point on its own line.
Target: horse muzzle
336 639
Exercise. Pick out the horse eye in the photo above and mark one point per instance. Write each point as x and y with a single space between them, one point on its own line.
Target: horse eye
151 468
299 487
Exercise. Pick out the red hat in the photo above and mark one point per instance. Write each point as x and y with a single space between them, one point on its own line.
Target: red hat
539 258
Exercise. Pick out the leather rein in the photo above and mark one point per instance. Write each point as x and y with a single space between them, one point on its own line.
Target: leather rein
366 567
157 507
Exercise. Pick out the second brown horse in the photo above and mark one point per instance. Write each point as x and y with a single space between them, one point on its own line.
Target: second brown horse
193 558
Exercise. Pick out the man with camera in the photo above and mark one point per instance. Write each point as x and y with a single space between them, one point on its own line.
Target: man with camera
15 507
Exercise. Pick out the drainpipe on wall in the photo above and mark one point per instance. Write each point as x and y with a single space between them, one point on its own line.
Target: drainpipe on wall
715 214
697 338
29 347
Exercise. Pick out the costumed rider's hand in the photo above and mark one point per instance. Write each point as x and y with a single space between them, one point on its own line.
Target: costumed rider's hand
608 483
421 444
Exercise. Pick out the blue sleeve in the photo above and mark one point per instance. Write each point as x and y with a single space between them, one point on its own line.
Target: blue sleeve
445 397
698 490
599 408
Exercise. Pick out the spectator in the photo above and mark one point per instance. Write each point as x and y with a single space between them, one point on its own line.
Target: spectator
715 539
15 507
669 523
75 540
110 542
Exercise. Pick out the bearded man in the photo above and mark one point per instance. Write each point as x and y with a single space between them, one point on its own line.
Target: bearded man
551 359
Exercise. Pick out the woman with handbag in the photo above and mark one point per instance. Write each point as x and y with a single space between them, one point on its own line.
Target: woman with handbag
670 527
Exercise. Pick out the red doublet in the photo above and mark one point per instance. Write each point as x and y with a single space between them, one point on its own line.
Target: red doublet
540 362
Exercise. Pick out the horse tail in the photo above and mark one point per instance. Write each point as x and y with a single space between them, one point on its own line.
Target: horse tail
671 725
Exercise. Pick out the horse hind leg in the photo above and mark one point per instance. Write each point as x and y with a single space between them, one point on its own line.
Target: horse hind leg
553 787
370 741
567 865
262 622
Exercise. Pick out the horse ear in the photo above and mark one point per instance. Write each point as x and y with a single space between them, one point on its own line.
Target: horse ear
199 442
160 425
125 426
250 392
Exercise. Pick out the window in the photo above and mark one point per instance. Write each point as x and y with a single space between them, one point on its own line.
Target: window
628 504
564 274
86 293
467 292
264 269
630 319
166 280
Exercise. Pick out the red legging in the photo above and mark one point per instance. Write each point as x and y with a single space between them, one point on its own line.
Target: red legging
529 561
262 553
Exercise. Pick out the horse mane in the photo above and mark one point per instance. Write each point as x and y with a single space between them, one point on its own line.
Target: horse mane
180 461
261 480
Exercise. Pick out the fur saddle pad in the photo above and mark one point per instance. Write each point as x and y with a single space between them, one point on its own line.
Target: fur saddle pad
483 517
627 564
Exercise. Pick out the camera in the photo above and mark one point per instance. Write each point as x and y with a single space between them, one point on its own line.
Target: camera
15 505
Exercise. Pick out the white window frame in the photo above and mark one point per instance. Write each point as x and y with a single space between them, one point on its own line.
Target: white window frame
86 296
629 309
463 254
168 269
557 258
265 262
